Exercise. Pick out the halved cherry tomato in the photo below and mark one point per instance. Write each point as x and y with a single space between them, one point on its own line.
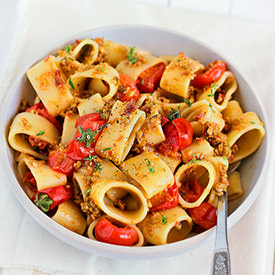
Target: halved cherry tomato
178 134
30 178
59 161
41 110
38 144
78 150
127 90
149 80
212 72
168 198
204 215
191 190
106 232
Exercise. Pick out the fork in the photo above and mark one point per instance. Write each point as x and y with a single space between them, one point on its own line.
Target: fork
221 258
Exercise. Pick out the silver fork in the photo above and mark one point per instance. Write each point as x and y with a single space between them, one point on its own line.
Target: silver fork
221 258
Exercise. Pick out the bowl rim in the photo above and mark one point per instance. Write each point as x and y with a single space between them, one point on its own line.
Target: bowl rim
104 249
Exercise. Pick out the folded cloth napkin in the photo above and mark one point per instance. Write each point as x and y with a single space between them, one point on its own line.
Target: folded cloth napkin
26 248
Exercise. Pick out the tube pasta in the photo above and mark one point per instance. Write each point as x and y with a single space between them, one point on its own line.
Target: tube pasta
90 105
178 74
171 162
226 84
45 177
232 111
245 136
30 124
133 70
90 231
120 132
93 78
69 129
235 189
167 226
202 170
201 114
70 216
49 84
86 51
128 216
150 173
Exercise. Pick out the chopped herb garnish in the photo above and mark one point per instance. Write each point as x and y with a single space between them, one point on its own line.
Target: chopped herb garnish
212 91
210 105
71 83
148 162
131 56
90 158
178 107
101 113
164 219
98 167
43 201
84 111
150 94
68 49
252 122
40 133
107 149
88 191
187 101
102 69
178 59
193 160
174 114
154 116
142 81
87 136
71 58
152 169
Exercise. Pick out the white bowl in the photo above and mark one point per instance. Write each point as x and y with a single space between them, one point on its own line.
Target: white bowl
159 42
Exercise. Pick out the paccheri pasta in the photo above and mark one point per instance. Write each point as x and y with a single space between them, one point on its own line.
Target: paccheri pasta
128 148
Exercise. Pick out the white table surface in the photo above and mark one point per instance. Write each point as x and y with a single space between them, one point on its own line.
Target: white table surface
251 239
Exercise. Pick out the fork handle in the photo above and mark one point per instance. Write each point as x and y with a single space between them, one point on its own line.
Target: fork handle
221 263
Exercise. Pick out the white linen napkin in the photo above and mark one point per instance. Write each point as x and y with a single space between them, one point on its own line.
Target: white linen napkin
26 248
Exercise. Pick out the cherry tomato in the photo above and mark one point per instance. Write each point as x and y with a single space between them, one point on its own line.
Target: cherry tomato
30 178
149 79
178 134
168 198
41 110
59 161
191 190
127 90
78 150
37 143
106 232
204 215
212 72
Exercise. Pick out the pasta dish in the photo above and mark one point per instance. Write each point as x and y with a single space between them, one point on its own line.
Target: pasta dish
129 148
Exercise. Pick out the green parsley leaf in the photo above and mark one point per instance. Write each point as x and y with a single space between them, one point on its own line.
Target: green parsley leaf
43 201
152 169
98 167
164 219
102 69
68 48
193 160
71 84
188 102
107 149
84 111
212 91
252 122
173 114
178 59
131 56
88 191
90 157
154 116
142 81
210 105
40 133
71 58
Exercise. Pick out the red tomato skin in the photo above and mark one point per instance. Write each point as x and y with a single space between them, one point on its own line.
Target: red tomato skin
77 150
204 215
41 110
106 232
59 161
128 90
213 72
171 199
192 190
185 131
149 80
